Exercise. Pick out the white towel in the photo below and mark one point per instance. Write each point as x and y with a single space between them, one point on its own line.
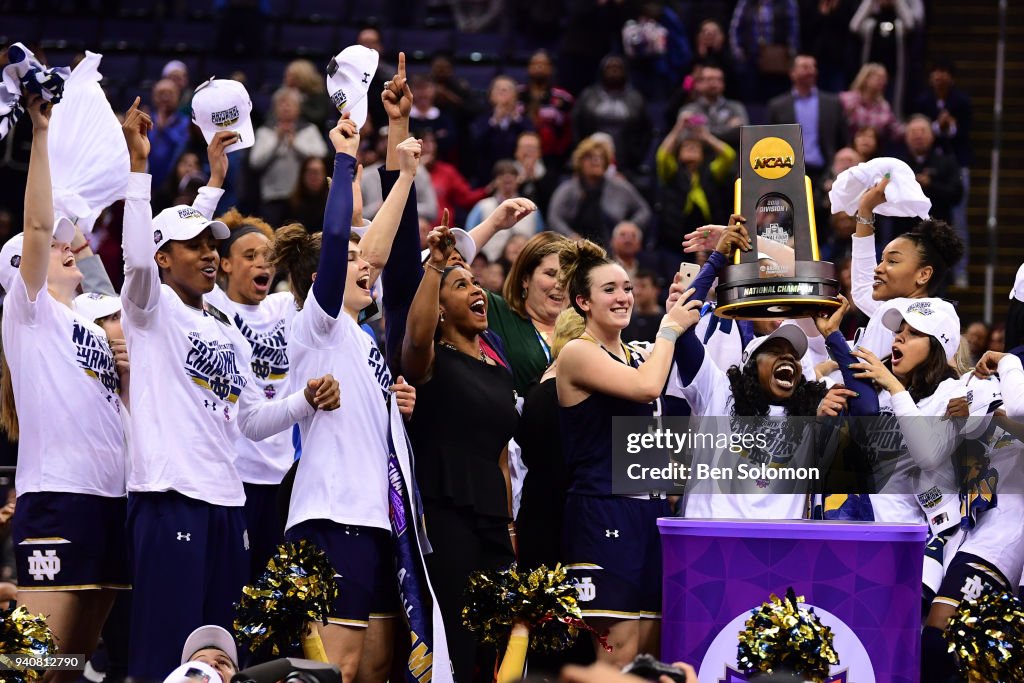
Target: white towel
903 195
89 164
26 73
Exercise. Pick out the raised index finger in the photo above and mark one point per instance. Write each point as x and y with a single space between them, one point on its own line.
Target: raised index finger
134 107
444 219
401 64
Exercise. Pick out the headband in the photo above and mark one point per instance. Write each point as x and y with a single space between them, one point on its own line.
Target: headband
224 248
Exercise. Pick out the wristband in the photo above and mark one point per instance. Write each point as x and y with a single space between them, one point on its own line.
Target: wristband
864 221
669 333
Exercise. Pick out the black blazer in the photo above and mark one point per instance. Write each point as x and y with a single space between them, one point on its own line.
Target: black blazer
832 128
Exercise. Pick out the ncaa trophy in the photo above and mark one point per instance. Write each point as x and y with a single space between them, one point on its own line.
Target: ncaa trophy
781 276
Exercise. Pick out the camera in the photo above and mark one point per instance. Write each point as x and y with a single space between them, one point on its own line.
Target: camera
649 668
289 670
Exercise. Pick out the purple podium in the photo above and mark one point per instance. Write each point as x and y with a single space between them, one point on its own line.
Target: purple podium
862 579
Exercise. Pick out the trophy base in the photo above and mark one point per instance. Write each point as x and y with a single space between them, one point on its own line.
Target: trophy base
744 295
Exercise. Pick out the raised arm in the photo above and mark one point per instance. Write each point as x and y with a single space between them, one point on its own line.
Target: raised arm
506 215
421 326
35 254
141 275
94 275
397 99
863 263
329 285
210 194
376 243
587 366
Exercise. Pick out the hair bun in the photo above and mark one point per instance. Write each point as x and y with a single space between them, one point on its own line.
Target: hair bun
942 239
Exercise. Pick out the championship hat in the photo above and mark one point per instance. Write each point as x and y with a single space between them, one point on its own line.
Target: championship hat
348 80
222 104
791 333
10 254
464 244
934 317
209 636
93 305
182 222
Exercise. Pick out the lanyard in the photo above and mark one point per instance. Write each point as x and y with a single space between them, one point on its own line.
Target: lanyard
543 345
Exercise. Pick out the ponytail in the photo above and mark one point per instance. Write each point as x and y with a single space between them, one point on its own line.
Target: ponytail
938 246
8 411
576 260
296 251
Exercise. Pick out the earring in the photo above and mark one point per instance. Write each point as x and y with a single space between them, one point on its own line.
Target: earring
526 291
442 316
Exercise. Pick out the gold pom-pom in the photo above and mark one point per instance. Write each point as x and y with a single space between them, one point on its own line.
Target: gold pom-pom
779 637
22 633
987 637
297 587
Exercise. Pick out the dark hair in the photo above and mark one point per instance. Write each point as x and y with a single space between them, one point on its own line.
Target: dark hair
938 246
538 247
576 260
296 251
300 197
926 377
503 167
943 64
648 274
749 399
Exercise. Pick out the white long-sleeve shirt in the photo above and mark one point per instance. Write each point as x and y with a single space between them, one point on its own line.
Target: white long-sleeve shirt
191 384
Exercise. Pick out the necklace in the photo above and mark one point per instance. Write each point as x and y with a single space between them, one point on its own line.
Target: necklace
451 346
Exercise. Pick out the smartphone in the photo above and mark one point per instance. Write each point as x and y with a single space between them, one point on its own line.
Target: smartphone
688 272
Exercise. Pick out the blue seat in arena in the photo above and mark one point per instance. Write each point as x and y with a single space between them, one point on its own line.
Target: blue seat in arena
198 9
128 34
479 46
325 11
121 68
307 40
141 9
422 44
478 76
67 33
19 30
187 36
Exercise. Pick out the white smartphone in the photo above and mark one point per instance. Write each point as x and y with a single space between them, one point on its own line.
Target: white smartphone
688 272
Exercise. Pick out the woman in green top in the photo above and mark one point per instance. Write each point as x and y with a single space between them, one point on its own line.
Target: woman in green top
525 316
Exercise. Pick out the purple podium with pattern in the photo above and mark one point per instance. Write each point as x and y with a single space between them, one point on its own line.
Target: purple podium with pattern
862 579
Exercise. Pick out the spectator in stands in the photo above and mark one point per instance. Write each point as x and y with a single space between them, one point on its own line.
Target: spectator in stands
864 104
949 108
723 117
612 106
452 94
549 109
825 33
764 36
866 143
627 248
591 29
425 115
647 309
692 187
819 114
657 47
302 75
369 36
453 191
710 48
835 229
977 336
884 27
506 186
997 338
590 204
278 153
495 133
536 181
510 254
186 171
309 198
170 132
177 71
938 173
492 276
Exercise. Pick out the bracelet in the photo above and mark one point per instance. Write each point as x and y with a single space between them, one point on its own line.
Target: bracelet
864 221
669 333
428 264
81 248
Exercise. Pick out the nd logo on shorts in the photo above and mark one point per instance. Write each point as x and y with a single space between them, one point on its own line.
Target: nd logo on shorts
585 589
772 158
44 564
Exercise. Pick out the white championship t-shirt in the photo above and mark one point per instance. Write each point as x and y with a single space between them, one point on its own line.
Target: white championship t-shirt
710 398
66 390
343 473
265 328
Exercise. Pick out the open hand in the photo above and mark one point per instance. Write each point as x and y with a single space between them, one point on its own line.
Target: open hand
511 211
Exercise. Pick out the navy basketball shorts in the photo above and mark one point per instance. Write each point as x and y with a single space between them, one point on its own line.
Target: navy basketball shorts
264 524
70 541
612 548
968 578
190 560
364 568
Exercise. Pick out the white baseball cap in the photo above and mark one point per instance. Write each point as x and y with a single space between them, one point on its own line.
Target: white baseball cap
93 305
10 254
222 104
464 244
934 317
348 79
791 333
207 636
182 223
193 672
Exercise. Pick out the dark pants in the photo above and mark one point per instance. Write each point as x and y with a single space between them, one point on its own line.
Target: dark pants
264 523
189 561
463 543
